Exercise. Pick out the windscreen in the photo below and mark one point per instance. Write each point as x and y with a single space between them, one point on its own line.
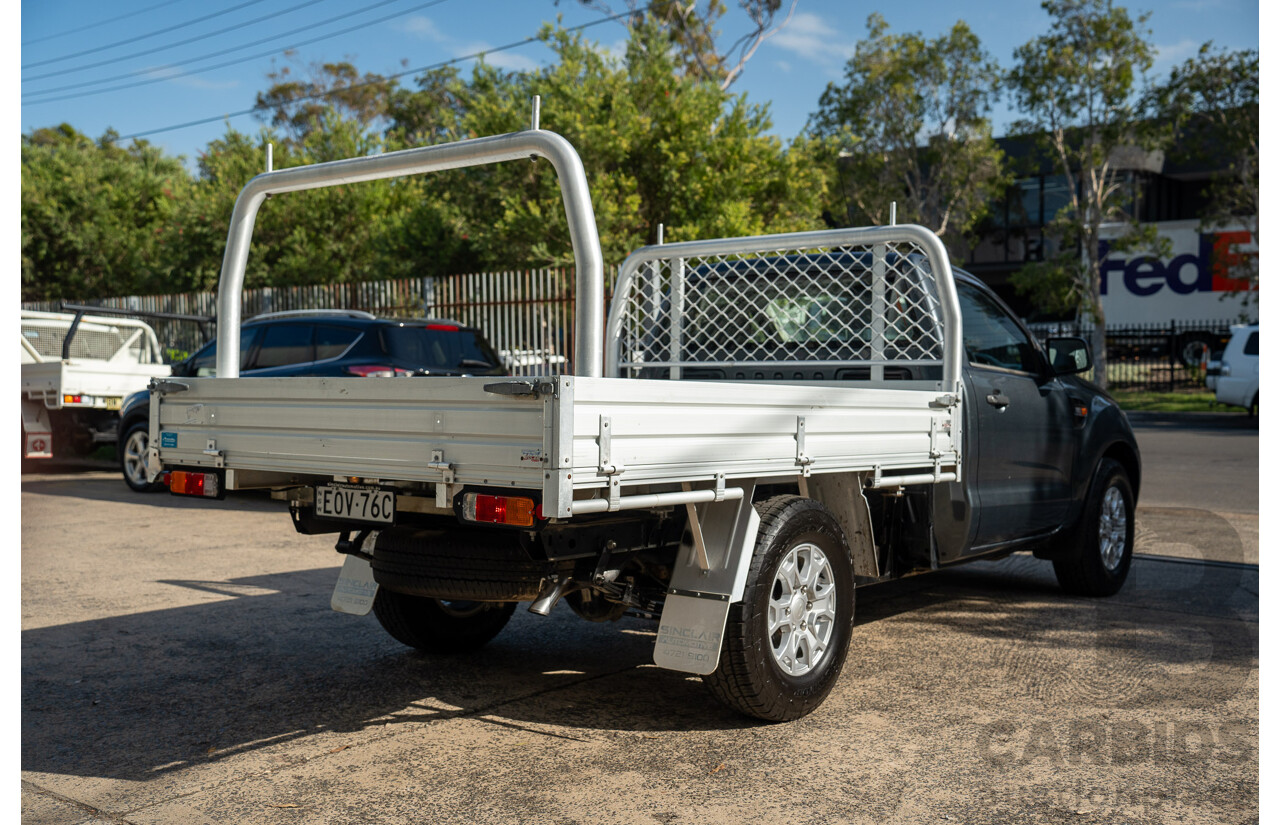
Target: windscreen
441 348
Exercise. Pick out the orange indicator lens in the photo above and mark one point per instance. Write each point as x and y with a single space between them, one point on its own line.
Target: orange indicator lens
193 484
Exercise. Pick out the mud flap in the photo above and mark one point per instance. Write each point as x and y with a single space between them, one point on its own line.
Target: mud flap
37 432
697 603
356 589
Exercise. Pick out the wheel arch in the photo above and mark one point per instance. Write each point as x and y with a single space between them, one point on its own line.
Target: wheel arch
1125 455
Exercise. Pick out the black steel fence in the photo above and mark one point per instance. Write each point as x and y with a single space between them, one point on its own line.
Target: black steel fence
1160 357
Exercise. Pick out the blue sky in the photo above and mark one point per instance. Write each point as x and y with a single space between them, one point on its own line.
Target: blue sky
168 83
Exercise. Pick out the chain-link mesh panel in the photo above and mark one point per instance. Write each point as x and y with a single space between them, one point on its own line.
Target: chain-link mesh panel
126 341
870 305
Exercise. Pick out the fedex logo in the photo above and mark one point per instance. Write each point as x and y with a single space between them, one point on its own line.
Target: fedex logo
1184 274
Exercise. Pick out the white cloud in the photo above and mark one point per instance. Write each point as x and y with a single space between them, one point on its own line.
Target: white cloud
1169 56
783 66
420 26
181 78
811 38
509 60
617 49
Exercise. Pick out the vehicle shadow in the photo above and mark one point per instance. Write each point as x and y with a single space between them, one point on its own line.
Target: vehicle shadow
267 665
96 488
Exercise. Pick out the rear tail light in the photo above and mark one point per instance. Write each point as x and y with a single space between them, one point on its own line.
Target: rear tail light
184 483
376 371
443 327
76 399
515 511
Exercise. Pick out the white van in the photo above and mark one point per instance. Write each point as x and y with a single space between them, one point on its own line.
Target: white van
1238 376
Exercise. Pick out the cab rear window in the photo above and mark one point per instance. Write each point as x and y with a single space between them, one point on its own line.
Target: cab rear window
448 348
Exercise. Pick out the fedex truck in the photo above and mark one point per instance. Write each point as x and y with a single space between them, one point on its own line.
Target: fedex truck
1190 289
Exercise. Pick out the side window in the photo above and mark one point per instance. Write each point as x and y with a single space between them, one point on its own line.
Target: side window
333 341
991 337
284 345
204 363
1251 346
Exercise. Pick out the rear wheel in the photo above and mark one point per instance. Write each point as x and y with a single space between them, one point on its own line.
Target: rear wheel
785 642
131 449
1097 562
440 625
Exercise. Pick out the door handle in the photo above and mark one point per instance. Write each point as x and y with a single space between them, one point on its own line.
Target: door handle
998 400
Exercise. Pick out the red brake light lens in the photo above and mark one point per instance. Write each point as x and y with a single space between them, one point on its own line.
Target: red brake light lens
443 327
515 511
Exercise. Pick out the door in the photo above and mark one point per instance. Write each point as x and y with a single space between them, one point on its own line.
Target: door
1021 469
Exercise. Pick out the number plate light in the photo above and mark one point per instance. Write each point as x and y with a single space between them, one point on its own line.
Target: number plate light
515 511
185 483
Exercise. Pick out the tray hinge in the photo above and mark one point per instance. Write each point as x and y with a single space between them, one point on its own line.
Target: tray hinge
802 460
444 489
606 465
211 449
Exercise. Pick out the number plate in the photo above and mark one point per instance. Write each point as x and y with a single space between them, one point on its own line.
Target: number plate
348 502
113 402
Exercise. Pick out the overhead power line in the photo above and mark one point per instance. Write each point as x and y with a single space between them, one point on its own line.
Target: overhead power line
268 53
169 46
99 81
127 41
396 76
100 23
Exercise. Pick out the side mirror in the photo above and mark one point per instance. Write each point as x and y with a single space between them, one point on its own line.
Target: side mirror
1068 356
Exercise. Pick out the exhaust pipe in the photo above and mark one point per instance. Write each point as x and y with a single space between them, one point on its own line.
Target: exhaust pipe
551 593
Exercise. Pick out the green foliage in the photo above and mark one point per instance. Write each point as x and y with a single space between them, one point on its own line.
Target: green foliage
1077 87
93 214
659 143
910 121
658 146
1210 103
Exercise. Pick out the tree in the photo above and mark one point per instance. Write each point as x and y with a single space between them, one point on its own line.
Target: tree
1211 105
694 33
658 146
1077 86
93 214
299 106
911 123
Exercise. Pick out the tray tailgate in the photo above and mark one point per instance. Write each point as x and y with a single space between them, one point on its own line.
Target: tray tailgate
369 427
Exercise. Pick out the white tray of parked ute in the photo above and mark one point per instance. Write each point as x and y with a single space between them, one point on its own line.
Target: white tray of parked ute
76 369
762 424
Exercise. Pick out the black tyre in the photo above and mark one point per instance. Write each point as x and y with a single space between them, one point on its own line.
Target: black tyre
131 451
438 626
466 565
1096 563
786 641
1194 346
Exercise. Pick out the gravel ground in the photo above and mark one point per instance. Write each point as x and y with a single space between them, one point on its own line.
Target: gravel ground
180 664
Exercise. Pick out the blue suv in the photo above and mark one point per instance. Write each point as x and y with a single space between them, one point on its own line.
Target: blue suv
320 342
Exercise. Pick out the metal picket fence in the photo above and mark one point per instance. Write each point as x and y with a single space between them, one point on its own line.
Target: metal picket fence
527 314
1159 356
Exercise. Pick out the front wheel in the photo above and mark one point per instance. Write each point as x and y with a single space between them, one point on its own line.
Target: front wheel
440 625
132 451
785 642
1097 563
